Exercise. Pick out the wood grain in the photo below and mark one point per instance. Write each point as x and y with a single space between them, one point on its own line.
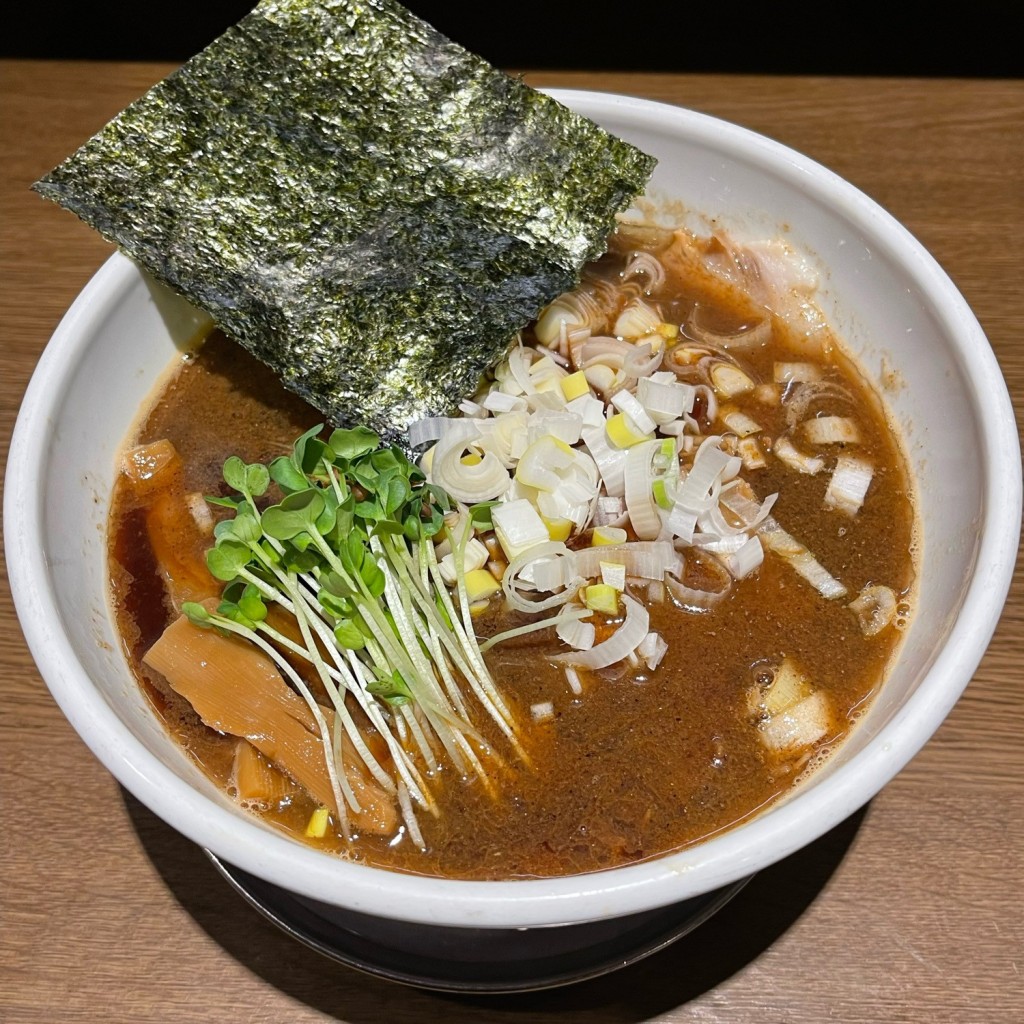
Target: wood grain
908 912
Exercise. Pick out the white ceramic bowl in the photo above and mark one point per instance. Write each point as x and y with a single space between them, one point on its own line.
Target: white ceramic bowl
901 316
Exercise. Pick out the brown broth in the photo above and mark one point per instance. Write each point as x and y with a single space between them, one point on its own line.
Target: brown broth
634 766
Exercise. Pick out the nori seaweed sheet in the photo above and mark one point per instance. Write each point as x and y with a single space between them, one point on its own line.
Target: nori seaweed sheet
367 207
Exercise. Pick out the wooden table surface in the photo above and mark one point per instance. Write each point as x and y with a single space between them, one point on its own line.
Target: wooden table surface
909 911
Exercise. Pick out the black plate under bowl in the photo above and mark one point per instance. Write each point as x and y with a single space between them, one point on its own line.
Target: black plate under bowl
481 960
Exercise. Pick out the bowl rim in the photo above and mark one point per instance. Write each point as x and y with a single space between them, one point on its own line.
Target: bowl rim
710 865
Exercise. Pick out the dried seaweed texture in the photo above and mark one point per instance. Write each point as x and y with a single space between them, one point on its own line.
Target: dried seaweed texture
367 207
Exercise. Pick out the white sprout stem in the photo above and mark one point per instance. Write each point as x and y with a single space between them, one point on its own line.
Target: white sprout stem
461 730
318 715
400 656
406 768
403 657
565 615
457 644
433 641
419 588
500 712
380 661
403 732
420 739
394 655
481 674
265 588
450 729
411 629
409 814
323 669
406 584
444 724
474 762
354 679
356 682
339 680
337 735
332 691
316 618
332 475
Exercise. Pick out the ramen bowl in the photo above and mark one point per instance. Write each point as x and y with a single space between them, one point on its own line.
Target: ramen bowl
902 319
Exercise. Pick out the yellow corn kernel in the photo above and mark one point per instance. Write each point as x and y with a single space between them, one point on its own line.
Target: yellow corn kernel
574 385
471 459
668 331
317 827
600 597
480 584
604 535
622 431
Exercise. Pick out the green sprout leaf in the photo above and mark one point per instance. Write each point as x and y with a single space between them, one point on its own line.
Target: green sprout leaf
351 444
229 502
438 497
325 520
373 577
298 558
480 514
252 604
285 474
353 552
296 514
196 613
393 688
234 474
257 479
230 610
396 493
349 635
412 528
309 450
245 527
339 607
227 559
